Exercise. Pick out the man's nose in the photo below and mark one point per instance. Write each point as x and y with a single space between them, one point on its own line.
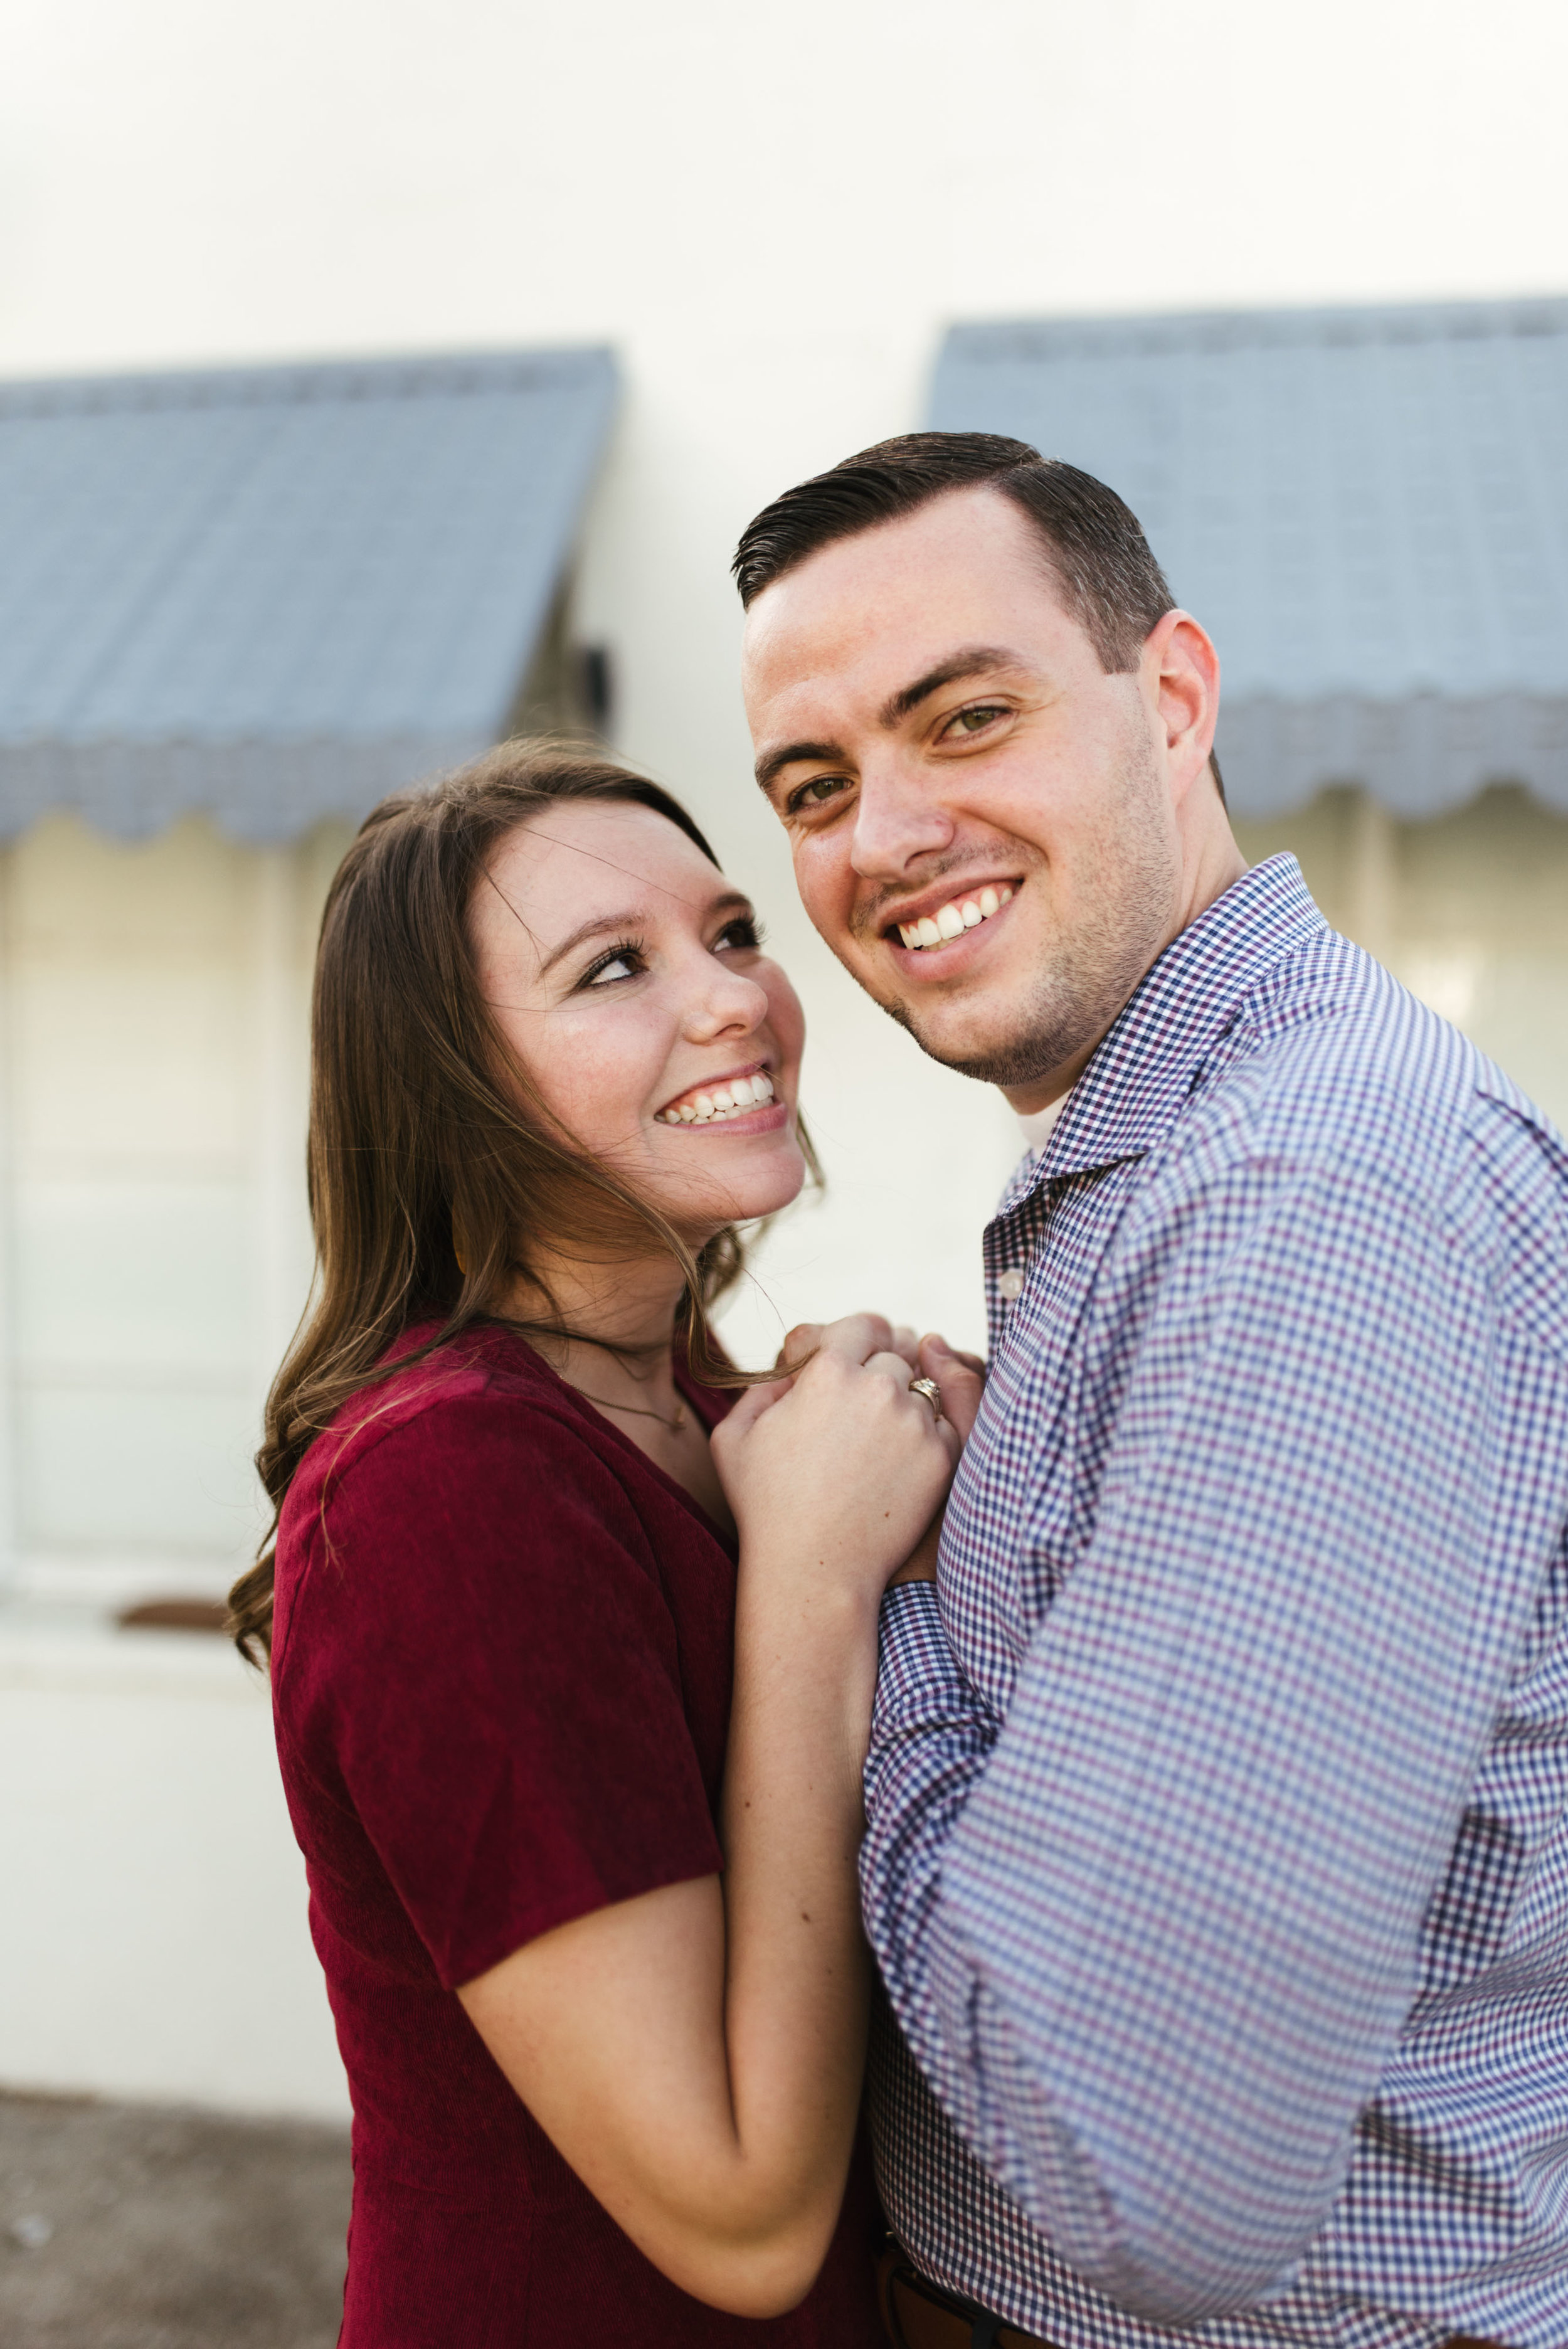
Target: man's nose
898 819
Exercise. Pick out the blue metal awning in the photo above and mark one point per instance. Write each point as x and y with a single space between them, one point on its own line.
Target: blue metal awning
1368 508
277 593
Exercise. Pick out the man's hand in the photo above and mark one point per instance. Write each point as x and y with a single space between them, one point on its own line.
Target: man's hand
961 1381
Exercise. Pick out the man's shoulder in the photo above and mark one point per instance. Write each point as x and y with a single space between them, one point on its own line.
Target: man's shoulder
1329 1052
1331 1065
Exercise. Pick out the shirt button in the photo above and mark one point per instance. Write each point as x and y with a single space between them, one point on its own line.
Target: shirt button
1010 1284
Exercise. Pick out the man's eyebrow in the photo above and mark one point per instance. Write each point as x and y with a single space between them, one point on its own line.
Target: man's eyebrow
772 763
604 926
971 661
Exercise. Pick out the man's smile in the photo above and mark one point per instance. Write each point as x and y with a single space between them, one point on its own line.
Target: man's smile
937 928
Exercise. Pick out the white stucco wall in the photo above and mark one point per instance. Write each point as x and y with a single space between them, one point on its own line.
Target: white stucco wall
155 1015
153 1939
771 215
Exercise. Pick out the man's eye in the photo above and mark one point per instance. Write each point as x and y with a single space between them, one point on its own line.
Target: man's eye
972 721
814 794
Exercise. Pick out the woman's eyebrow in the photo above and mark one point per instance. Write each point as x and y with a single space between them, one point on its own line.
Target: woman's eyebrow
600 926
634 918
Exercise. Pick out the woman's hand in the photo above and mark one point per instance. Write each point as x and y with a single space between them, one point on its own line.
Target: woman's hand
697 2053
806 1335
834 1473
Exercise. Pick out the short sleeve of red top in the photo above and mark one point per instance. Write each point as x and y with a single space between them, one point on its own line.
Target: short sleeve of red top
501 1675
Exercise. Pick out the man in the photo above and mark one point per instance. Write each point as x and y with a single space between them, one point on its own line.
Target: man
1216 1863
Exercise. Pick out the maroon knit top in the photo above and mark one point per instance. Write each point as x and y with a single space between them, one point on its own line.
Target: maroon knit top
500 1681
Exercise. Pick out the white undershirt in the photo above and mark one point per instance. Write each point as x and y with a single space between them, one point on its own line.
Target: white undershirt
1038 1125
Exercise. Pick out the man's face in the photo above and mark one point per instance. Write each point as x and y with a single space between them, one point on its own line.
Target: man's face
982 823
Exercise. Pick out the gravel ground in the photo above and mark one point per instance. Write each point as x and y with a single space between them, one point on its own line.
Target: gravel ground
132 2227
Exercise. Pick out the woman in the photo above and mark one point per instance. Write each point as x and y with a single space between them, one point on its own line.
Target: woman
601 2091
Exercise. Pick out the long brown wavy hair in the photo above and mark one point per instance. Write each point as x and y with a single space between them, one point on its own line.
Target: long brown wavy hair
435 1176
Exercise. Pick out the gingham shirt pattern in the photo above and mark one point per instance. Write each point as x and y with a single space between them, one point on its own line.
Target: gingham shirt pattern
1217 1858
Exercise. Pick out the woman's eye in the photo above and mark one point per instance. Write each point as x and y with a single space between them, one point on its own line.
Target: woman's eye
972 721
814 794
624 963
742 936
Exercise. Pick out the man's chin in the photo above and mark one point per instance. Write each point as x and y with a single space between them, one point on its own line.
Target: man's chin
993 1053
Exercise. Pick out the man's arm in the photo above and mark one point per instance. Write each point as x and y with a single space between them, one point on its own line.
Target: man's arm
1153 1939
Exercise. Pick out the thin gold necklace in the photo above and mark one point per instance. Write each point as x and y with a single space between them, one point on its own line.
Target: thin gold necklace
639 1410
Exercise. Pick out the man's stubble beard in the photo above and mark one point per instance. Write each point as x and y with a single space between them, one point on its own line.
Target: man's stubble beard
1085 977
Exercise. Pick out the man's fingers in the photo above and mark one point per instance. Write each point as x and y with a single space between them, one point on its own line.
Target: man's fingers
920 1566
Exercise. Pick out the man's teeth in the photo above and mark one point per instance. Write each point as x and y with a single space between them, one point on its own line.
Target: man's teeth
732 1098
952 920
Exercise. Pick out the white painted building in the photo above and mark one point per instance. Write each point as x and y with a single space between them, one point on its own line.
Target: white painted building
771 223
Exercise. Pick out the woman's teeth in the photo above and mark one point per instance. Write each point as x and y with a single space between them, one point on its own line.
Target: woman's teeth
716 1102
952 920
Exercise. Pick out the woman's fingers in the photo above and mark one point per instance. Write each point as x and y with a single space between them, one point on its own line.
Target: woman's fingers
803 1339
838 1467
747 1408
858 1336
896 1371
958 1378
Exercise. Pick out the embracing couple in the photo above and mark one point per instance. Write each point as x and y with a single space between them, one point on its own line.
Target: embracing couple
1177 1704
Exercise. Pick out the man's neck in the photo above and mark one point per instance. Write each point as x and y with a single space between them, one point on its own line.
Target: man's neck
1037 1124
1214 864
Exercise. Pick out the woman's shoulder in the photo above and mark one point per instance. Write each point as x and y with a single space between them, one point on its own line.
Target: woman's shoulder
471 1470
452 1418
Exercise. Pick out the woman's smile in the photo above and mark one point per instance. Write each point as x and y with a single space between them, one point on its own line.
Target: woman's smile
745 1097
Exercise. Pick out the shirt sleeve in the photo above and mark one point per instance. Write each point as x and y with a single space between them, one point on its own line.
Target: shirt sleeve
492 1668
1153 1936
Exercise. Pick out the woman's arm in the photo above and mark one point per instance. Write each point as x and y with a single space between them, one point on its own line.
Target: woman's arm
696 2054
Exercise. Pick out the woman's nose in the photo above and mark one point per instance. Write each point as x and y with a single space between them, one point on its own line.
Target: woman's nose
727 1001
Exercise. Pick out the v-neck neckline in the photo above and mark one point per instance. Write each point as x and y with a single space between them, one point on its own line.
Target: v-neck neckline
701 1400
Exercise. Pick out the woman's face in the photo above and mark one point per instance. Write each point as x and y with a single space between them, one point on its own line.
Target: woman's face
628 976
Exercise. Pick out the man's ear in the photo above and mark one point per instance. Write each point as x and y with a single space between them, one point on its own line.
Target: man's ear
1181 672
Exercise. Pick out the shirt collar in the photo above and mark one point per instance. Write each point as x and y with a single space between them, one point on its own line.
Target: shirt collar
1143 1068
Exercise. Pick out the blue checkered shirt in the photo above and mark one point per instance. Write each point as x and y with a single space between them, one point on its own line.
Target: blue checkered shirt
1217 1859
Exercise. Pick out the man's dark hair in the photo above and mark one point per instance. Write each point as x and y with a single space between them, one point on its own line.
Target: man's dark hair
1093 542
